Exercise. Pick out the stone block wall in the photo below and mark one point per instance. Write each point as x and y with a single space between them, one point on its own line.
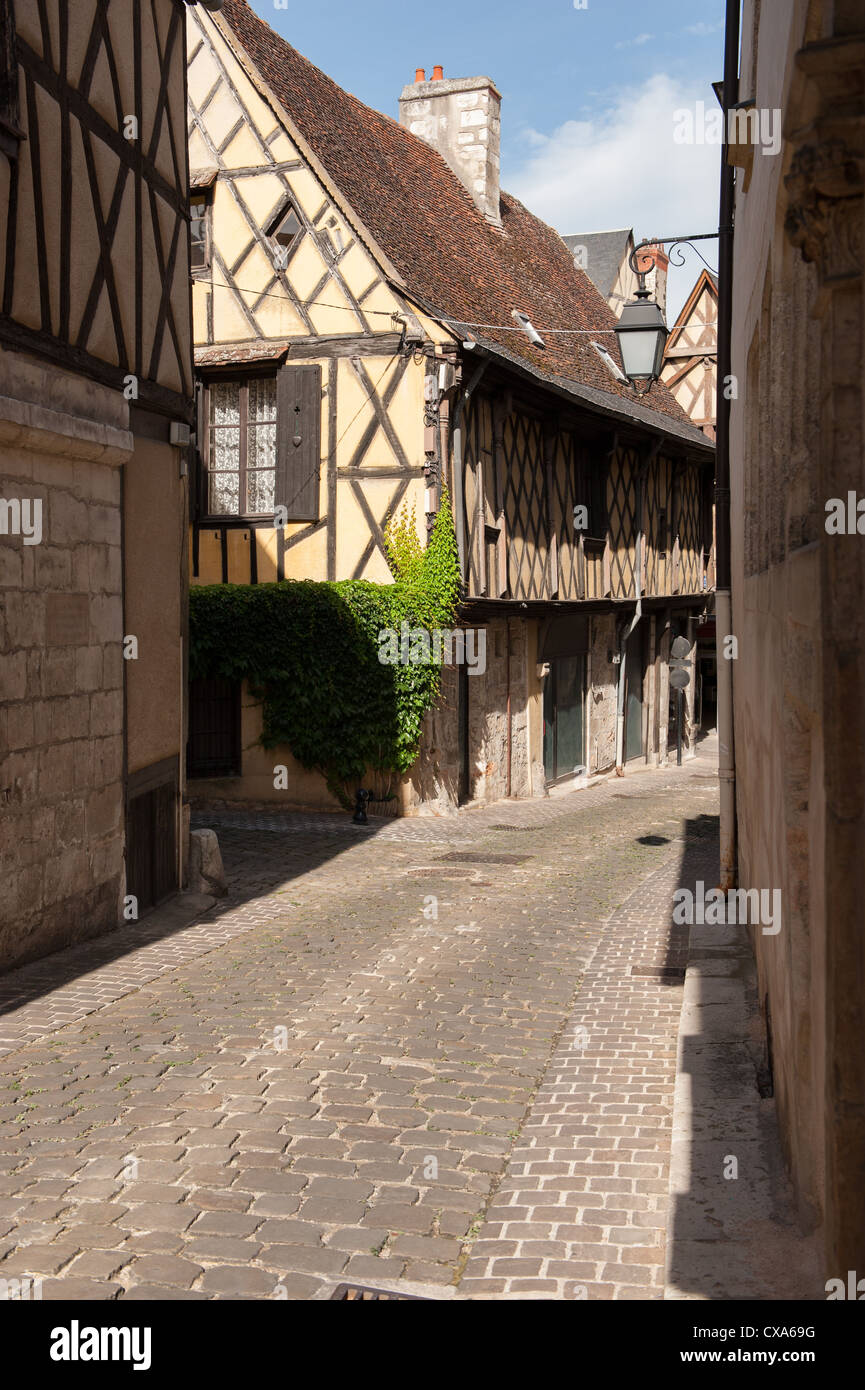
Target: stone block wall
602 677
433 785
461 118
488 715
61 676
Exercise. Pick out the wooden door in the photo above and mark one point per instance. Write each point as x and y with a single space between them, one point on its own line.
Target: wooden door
151 845
564 718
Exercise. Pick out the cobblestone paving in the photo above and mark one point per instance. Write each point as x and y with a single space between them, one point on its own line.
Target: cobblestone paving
332 1084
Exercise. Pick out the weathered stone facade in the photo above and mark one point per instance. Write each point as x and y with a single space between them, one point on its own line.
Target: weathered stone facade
95 396
799 592
61 716
603 680
504 728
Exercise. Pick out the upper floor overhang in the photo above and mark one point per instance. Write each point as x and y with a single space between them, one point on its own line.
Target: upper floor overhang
613 410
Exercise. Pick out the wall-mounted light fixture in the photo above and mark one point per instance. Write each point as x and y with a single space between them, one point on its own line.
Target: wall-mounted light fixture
641 330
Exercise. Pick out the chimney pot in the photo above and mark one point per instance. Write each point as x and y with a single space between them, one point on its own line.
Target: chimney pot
420 75
438 74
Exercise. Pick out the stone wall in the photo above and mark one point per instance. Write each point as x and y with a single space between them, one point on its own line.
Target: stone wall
799 593
603 678
461 118
488 715
61 677
432 787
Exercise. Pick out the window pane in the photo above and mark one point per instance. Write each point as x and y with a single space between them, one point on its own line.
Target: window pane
224 493
288 229
225 403
225 450
262 447
259 486
262 400
198 232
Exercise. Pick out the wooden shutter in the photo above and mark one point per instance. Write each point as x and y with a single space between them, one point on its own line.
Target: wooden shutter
298 435
199 489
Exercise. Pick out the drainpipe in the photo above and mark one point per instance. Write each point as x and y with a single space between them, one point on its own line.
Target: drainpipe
723 603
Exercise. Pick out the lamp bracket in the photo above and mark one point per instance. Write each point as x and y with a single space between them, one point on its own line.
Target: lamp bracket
672 242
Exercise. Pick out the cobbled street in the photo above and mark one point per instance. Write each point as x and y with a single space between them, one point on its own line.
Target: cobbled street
432 1050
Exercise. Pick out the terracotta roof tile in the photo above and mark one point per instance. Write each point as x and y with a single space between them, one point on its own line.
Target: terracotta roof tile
426 223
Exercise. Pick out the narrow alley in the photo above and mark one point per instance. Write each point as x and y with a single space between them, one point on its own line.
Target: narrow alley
435 1051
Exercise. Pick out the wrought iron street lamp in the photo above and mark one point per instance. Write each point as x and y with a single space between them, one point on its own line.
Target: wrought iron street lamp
641 330
642 336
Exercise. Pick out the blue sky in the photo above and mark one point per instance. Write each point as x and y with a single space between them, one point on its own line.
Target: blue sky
589 96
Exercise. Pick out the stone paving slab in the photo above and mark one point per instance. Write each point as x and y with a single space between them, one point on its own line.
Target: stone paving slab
334 1090
581 1211
734 1233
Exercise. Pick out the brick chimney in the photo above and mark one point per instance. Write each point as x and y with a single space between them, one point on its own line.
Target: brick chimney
656 276
461 118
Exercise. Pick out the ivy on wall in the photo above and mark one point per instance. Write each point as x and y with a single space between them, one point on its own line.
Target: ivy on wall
310 652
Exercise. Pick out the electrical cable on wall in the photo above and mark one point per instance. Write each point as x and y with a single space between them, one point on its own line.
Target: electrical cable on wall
388 313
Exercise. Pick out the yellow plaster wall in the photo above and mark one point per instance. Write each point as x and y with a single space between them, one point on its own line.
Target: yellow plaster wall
331 315
305 789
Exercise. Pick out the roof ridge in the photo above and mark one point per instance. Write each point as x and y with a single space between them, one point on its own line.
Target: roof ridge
427 226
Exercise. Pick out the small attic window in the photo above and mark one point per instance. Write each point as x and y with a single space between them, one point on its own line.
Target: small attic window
609 362
200 229
286 229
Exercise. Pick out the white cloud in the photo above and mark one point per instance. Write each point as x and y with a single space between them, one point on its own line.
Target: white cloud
621 168
635 42
701 29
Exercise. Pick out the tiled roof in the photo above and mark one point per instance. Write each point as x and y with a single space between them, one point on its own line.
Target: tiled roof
451 259
604 253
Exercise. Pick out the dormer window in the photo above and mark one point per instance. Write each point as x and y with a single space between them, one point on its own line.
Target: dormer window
199 232
202 183
609 361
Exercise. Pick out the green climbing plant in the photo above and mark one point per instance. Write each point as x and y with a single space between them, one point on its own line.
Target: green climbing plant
310 651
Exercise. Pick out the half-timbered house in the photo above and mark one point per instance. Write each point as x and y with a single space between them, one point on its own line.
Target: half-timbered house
606 259
361 294
96 396
691 354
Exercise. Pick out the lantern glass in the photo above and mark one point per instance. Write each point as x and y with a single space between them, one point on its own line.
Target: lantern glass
642 336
